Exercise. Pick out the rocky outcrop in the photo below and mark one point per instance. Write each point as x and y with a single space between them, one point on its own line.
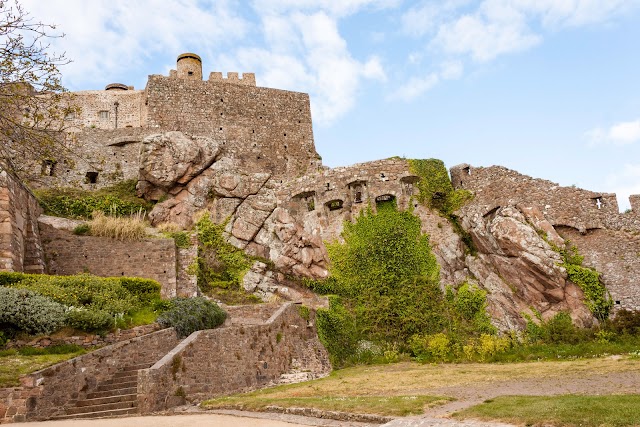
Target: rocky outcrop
171 160
519 268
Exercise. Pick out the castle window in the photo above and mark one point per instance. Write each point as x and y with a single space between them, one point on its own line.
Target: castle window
103 115
48 167
383 177
358 198
598 201
91 177
190 73
334 205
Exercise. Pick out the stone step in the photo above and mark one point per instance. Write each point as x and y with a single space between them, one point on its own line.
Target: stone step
101 408
117 386
125 374
113 392
138 366
108 399
100 414
119 380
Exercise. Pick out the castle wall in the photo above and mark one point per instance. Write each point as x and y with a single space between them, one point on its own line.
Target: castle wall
574 207
69 254
266 130
98 109
314 199
616 255
20 246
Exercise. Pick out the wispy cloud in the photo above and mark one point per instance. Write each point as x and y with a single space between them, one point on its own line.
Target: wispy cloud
625 183
623 133
481 31
416 86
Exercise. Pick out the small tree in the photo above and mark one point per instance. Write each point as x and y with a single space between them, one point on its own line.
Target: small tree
32 108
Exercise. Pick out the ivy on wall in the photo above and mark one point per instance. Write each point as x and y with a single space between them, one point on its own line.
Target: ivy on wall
220 266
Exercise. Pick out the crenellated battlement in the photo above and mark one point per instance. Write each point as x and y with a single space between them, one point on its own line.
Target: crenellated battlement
248 79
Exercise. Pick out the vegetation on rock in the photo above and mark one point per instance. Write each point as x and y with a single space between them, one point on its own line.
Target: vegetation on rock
220 266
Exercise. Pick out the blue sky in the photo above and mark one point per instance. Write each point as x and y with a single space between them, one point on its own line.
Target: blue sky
550 88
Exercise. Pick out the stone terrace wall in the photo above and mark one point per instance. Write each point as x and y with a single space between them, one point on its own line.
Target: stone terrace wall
574 207
45 393
269 130
152 258
20 247
233 359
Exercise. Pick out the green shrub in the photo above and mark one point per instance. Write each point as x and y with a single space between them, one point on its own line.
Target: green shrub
118 200
82 229
337 331
626 322
29 312
146 290
89 320
192 314
9 278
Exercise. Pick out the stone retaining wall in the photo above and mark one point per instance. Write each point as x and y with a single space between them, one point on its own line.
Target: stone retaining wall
46 393
152 258
88 340
234 359
20 248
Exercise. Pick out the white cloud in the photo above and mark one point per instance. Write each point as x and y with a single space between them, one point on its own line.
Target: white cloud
625 183
623 133
337 8
483 30
107 38
416 86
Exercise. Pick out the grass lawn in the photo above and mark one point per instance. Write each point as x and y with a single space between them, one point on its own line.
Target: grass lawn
14 364
566 410
408 387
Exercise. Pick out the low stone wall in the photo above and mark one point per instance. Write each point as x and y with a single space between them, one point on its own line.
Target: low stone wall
88 340
20 247
152 258
46 393
234 359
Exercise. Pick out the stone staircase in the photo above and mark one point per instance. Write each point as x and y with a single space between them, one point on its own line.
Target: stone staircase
114 397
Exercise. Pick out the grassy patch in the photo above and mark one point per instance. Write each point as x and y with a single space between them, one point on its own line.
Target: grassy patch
13 364
380 405
567 410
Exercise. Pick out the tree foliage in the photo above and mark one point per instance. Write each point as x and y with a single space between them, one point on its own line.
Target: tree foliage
32 108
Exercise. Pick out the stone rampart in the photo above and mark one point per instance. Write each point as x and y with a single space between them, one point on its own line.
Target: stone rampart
151 258
234 359
46 393
497 186
20 248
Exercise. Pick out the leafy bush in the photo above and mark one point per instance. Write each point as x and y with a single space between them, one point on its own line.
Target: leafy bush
89 320
118 200
29 312
626 322
192 314
9 278
146 290
337 331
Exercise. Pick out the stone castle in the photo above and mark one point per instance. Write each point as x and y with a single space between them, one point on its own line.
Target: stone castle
246 154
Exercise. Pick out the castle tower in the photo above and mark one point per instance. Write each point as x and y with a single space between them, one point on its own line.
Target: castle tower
189 66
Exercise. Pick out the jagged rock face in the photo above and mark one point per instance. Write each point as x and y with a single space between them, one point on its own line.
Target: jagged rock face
519 268
171 160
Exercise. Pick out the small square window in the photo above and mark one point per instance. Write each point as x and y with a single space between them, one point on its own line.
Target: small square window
104 115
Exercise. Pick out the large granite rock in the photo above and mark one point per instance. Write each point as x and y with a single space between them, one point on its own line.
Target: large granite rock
171 160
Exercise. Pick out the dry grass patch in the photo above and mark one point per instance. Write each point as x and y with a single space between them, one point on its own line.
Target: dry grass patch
120 228
378 388
13 366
